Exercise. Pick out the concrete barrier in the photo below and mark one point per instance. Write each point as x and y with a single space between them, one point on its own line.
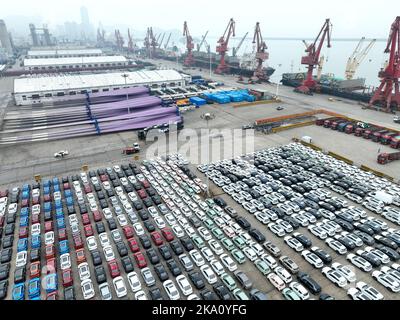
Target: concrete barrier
248 104
377 173
293 126
339 157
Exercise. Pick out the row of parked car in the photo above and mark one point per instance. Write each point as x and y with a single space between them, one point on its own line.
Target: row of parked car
285 188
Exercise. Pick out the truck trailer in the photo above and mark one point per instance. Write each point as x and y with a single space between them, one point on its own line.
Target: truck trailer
376 137
385 158
395 143
368 133
387 138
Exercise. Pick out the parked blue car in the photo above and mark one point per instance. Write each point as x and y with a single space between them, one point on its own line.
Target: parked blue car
34 288
47 207
22 245
24 221
25 195
35 243
68 193
51 283
46 183
26 187
59 214
69 201
60 223
55 181
18 292
56 188
24 212
58 204
64 248
46 191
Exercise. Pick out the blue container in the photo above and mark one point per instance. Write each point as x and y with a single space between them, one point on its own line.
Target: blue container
36 242
198 101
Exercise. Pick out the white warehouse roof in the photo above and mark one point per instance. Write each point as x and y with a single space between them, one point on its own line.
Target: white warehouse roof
74 61
64 52
84 81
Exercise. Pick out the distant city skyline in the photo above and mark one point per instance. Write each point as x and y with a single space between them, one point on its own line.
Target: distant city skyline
286 18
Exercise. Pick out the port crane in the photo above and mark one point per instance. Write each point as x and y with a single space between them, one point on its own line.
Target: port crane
189 46
312 59
222 47
150 43
162 40
357 58
388 94
100 37
320 67
203 39
235 50
130 42
261 53
119 40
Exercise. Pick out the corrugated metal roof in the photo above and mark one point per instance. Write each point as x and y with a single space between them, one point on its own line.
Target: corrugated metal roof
75 61
85 81
64 52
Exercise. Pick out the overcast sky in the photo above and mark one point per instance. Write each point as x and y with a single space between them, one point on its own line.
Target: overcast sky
286 18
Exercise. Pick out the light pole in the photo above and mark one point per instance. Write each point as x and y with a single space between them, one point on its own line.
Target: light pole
127 96
210 63
208 117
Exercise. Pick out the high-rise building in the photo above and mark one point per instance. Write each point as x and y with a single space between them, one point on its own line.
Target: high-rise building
87 29
5 38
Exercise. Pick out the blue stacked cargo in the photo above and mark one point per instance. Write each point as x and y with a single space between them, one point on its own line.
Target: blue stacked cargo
221 98
197 101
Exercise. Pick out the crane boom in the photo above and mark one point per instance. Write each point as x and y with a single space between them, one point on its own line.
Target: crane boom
222 46
235 50
357 58
261 53
162 40
169 38
313 55
202 41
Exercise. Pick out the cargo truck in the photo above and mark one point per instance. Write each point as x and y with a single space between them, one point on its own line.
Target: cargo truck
387 138
350 128
342 126
395 143
368 133
385 158
328 122
376 137
335 124
320 122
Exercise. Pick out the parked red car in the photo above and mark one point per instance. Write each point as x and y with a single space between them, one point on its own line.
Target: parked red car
23 232
24 203
66 186
133 245
46 198
80 256
52 296
34 270
48 226
140 260
51 266
146 184
35 200
85 219
142 194
35 218
62 234
88 189
128 232
50 251
97 216
157 238
88 231
3 193
167 233
78 243
67 279
103 178
114 269
1 221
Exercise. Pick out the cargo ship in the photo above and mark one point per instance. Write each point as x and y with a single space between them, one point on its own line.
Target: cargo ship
349 89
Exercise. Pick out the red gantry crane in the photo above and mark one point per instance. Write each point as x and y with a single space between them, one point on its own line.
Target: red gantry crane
312 59
222 47
261 54
388 94
189 46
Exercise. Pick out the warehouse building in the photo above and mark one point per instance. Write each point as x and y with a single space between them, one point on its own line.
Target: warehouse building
74 63
63 53
43 89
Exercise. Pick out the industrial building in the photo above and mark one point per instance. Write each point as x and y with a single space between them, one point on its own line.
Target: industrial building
75 63
63 53
42 89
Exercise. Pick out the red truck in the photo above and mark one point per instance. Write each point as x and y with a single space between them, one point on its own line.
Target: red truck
368 133
335 124
395 143
376 137
328 122
351 128
385 158
387 138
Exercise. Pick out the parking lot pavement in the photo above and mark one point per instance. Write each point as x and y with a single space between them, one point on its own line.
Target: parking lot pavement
259 281
327 286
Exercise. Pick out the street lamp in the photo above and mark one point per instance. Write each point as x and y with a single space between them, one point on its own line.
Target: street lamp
208 117
127 96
